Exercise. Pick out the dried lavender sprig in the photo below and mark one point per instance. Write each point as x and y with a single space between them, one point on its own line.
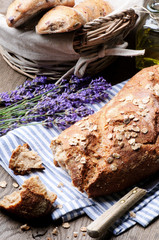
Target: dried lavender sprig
63 105
26 91
70 103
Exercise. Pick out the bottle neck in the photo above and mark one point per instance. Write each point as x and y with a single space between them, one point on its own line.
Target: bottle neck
153 6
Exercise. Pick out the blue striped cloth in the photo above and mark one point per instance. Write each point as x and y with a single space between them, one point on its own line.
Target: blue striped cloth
70 202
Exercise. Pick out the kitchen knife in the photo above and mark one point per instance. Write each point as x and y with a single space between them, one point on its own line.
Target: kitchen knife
99 227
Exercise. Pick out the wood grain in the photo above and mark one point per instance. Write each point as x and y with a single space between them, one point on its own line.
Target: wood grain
10 227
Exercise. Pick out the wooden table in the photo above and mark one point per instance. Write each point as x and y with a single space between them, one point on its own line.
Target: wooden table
120 70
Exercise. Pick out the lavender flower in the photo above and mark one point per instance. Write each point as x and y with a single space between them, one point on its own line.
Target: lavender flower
28 90
61 105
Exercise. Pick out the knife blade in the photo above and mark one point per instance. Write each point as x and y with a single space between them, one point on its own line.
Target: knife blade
100 226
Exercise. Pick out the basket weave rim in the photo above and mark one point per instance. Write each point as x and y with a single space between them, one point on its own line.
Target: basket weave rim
105 31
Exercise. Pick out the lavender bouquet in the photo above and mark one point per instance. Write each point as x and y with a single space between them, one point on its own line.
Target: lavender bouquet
39 101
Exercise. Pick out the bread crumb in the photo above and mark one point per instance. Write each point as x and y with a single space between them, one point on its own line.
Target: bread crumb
59 206
66 225
60 185
55 231
75 234
83 229
25 227
15 185
3 184
84 234
132 214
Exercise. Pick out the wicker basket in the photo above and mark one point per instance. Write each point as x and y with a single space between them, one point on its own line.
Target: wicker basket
102 33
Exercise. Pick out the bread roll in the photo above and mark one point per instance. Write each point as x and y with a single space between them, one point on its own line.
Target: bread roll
23 160
119 145
64 19
32 201
20 11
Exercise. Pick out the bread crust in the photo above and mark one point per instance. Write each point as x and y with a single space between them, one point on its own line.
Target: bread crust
117 146
64 19
19 11
59 19
23 160
32 201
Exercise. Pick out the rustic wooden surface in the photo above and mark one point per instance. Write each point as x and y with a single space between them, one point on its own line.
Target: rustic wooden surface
10 227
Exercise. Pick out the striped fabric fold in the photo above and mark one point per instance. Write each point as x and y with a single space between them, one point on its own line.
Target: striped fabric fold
70 202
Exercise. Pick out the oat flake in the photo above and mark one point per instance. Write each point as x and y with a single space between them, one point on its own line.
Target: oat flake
110 136
25 227
122 112
110 160
95 127
131 116
141 106
66 225
3 184
113 167
136 146
121 99
15 185
136 129
83 160
127 135
146 100
119 137
126 119
55 231
72 142
83 229
144 130
131 141
116 155
108 120
136 119
121 144
134 134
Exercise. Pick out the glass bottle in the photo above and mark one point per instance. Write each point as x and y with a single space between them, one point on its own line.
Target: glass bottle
147 37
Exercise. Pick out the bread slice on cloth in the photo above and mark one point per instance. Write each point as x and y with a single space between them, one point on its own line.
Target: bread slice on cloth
119 145
24 160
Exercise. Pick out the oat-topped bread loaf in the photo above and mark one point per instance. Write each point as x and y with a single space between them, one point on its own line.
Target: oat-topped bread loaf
19 11
24 160
65 19
117 146
32 201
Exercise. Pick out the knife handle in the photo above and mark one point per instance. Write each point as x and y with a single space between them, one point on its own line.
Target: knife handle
98 227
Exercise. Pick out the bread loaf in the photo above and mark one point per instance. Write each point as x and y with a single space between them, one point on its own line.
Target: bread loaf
20 11
32 201
64 19
119 145
24 160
